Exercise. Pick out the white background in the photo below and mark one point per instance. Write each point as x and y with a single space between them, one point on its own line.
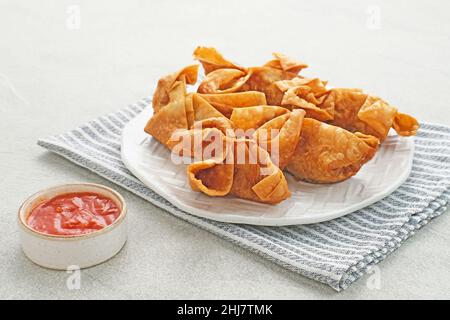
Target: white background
56 74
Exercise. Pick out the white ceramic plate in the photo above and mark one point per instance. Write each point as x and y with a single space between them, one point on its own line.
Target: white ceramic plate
150 162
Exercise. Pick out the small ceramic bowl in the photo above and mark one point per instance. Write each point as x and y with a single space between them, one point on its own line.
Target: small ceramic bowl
61 252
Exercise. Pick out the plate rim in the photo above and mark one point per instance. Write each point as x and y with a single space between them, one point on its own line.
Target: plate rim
260 220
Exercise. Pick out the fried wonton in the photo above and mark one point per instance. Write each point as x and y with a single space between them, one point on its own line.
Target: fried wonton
359 112
202 109
180 113
311 150
226 102
261 181
243 126
254 117
171 117
210 177
306 94
224 81
226 165
405 125
278 79
207 139
223 124
327 153
280 136
264 79
286 63
211 60
251 175
188 75
225 77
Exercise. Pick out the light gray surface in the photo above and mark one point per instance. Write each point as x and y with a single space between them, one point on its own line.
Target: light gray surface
53 78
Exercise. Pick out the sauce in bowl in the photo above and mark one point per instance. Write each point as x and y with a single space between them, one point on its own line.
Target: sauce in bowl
73 214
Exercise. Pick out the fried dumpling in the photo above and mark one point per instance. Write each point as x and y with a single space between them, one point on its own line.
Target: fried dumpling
171 117
306 94
207 139
405 125
254 117
375 117
244 126
359 112
223 76
210 174
311 150
211 60
188 75
264 79
221 123
278 79
211 177
224 81
259 180
180 113
202 109
280 136
286 63
327 153
312 162
251 175
226 165
226 102
204 144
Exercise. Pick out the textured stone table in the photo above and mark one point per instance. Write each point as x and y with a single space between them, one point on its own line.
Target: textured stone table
58 71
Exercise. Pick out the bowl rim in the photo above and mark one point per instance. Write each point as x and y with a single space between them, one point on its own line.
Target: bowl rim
25 205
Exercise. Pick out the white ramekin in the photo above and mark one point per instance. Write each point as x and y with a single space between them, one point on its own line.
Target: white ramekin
60 252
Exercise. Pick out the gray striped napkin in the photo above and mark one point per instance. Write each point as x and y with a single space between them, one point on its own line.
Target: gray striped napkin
336 252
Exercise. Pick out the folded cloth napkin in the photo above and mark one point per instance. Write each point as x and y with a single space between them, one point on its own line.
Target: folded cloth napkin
335 252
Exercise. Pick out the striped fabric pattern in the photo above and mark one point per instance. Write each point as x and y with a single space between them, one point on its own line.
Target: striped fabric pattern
336 252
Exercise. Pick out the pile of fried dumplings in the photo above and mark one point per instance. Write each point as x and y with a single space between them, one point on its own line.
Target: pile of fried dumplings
322 135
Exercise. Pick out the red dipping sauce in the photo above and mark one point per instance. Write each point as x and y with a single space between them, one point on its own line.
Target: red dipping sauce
73 214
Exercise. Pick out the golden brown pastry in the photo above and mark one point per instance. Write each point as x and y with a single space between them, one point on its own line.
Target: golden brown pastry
179 113
258 180
224 81
225 165
280 136
243 126
171 117
279 81
211 173
251 175
254 117
327 153
211 60
311 150
207 139
188 75
285 63
405 125
359 112
264 79
210 177
226 102
306 94
228 77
